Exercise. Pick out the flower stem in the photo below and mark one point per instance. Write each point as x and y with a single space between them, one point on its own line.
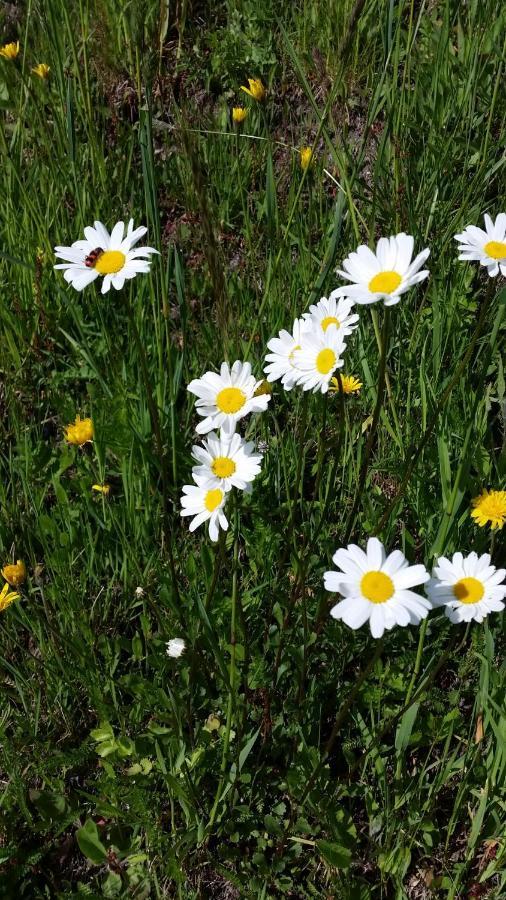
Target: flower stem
374 425
162 460
232 675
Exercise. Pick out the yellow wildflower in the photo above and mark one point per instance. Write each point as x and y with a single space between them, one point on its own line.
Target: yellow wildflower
42 70
490 506
7 597
255 90
239 114
15 574
104 489
10 51
81 432
351 385
306 158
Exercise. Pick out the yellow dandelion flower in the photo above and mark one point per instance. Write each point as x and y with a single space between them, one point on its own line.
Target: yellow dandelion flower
7 597
490 506
351 385
10 51
42 70
255 90
15 574
104 489
239 114
81 432
306 158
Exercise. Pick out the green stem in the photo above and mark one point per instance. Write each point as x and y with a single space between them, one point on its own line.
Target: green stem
162 460
374 426
232 676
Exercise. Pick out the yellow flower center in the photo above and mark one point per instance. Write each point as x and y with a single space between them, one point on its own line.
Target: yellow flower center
384 282
325 361
468 590
377 587
223 466
109 262
213 499
495 249
330 320
230 400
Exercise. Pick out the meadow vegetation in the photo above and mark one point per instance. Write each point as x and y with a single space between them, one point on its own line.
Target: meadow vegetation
282 754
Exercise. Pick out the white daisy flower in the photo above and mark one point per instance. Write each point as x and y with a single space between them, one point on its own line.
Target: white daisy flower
225 398
385 274
468 586
281 360
175 647
376 588
333 311
204 501
318 358
487 247
227 461
109 255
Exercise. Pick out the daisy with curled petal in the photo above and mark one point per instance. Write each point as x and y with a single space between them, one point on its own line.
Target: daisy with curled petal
281 360
467 586
225 398
318 358
110 255
486 247
384 275
333 311
490 506
376 588
227 461
7 597
205 502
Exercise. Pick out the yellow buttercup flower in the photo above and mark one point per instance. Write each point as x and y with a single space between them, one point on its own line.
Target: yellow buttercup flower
10 51
306 158
7 597
42 70
490 506
104 489
351 385
239 114
15 574
255 89
81 432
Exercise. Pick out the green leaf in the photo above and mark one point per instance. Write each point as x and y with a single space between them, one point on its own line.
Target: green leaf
406 727
90 844
334 854
104 732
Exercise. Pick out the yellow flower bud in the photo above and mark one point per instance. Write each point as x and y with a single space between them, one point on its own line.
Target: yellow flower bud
42 70
239 114
15 574
255 90
10 51
306 158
